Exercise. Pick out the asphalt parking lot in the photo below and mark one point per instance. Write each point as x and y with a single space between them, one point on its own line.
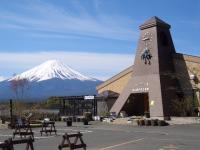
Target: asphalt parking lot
101 136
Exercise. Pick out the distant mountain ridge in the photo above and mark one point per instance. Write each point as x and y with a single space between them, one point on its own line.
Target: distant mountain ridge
51 78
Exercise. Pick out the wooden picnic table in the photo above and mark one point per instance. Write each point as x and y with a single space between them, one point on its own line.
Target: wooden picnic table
22 128
9 144
48 127
67 141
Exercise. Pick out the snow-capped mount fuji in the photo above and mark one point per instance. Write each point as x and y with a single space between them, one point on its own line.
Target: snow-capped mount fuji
2 78
52 69
51 78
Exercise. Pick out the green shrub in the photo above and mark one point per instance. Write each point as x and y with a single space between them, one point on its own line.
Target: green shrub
88 115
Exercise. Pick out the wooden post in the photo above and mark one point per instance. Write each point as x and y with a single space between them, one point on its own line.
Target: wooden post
95 100
11 112
74 107
64 109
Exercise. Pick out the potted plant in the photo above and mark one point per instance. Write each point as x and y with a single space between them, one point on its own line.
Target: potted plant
103 115
88 116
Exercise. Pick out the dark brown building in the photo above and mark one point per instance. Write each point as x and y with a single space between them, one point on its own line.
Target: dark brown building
159 78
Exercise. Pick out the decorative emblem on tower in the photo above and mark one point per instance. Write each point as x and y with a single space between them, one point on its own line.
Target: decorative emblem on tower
146 54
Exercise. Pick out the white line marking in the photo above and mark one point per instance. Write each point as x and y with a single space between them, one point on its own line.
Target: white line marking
152 132
121 144
74 130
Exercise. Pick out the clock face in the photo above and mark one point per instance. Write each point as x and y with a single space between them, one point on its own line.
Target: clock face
147 38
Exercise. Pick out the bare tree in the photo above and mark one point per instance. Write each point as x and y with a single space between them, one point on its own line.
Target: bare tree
18 86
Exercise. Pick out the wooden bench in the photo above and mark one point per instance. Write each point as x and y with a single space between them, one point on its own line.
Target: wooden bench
66 142
48 127
22 128
9 144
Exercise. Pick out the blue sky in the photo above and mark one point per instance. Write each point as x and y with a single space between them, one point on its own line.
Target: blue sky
96 37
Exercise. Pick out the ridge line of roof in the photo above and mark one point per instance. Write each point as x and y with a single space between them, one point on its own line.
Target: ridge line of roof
188 57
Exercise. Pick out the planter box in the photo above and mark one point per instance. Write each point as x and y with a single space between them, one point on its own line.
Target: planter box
69 123
78 120
161 123
147 122
154 122
141 122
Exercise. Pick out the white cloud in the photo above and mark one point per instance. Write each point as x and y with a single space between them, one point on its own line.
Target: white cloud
45 18
99 65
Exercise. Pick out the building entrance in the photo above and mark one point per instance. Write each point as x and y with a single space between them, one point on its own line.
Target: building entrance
137 104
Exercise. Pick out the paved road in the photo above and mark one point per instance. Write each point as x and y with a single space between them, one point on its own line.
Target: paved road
100 136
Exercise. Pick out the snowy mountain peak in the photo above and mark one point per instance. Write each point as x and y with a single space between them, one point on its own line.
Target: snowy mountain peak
2 78
52 69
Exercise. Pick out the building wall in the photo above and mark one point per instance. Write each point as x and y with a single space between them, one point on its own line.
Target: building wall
116 84
188 72
186 66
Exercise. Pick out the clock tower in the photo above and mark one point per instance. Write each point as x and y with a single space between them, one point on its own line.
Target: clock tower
153 85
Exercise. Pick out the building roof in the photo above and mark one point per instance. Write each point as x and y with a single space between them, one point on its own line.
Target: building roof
189 58
154 21
116 77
